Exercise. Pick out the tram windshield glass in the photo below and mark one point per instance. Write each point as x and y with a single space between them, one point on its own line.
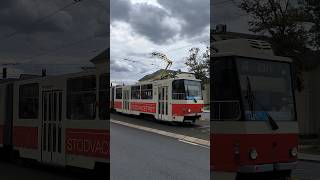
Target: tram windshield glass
186 90
266 88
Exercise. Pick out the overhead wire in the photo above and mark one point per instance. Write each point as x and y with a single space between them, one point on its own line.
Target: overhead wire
42 19
29 60
170 50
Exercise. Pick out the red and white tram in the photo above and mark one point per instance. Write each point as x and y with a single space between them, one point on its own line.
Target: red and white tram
57 120
176 99
254 129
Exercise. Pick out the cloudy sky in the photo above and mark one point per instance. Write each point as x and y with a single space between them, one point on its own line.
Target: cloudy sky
139 27
227 12
37 34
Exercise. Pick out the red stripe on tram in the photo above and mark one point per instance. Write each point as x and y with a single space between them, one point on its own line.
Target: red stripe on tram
88 142
25 137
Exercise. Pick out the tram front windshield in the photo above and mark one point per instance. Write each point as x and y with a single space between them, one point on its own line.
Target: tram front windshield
186 90
266 88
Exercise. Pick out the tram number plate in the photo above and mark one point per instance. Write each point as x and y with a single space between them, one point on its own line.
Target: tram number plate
256 115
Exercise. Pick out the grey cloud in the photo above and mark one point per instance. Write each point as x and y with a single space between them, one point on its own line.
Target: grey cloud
229 14
149 21
71 35
160 25
120 9
195 14
21 16
117 67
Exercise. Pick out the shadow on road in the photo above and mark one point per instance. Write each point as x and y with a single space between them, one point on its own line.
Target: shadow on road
54 172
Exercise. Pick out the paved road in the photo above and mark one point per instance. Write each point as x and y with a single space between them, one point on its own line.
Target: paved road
140 155
200 130
14 171
307 171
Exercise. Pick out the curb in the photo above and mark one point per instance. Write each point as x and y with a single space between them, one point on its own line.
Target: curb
309 157
165 133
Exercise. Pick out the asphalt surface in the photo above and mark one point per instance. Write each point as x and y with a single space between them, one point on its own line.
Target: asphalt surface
25 171
307 170
140 155
200 130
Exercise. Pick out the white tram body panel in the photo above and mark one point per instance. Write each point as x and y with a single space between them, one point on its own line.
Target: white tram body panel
164 99
59 120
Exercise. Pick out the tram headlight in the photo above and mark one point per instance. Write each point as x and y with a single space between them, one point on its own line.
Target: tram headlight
253 154
294 152
189 110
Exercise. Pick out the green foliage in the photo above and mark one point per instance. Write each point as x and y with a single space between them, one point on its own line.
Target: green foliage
282 20
285 21
199 65
312 14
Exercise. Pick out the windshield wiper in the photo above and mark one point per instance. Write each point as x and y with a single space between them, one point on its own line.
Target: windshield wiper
272 122
250 99
195 100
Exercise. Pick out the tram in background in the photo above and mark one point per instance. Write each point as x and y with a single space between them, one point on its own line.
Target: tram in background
177 99
254 129
57 120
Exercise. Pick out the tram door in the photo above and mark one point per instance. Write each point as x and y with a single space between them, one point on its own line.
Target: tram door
8 120
52 128
163 102
126 102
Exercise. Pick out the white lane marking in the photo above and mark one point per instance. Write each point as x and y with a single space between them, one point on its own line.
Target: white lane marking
165 133
184 141
195 144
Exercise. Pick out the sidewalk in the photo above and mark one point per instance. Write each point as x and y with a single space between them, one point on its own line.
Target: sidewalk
205 115
309 150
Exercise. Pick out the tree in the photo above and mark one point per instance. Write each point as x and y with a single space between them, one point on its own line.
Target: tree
199 65
312 14
283 21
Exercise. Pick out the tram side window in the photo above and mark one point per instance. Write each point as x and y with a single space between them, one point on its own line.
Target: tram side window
146 91
135 92
119 93
81 98
29 101
226 93
103 97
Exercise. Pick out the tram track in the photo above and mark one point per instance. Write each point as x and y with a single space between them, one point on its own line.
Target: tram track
200 130
180 137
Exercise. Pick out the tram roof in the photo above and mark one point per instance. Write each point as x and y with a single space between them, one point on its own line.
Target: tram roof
255 56
153 81
247 48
